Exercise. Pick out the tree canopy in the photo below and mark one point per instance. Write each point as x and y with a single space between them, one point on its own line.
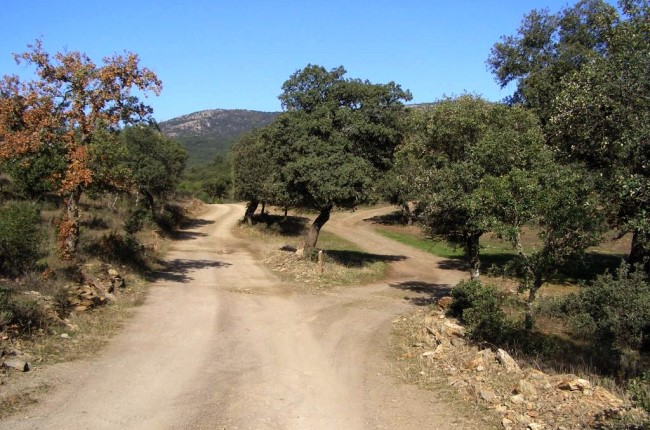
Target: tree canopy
71 101
328 146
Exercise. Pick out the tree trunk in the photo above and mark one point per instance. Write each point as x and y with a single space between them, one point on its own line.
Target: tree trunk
407 213
68 235
263 207
286 211
250 210
150 202
532 294
472 249
311 237
639 253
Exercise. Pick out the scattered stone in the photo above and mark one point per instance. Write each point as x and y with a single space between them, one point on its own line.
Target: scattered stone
488 395
574 385
526 388
65 336
517 399
535 426
453 329
506 423
444 302
16 364
507 361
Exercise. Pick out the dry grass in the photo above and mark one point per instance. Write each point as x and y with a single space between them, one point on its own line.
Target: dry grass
344 264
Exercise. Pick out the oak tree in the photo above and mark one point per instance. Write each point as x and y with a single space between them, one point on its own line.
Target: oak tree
71 100
334 138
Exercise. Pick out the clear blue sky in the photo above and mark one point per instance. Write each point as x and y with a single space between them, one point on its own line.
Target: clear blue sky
236 54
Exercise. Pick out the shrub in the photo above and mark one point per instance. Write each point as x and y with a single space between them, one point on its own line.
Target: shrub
613 315
614 311
21 236
480 308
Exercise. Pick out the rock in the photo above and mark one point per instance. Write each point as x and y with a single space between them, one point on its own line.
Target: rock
506 423
453 329
476 362
517 399
65 336
117 282
488 395
575 385
443 303
535 426
16 364
457 341
605 396
526 388
507 361
113 273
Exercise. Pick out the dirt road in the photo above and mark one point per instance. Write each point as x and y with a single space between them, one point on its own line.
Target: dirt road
221 344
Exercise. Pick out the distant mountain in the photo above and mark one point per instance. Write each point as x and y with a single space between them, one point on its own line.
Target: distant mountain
208 133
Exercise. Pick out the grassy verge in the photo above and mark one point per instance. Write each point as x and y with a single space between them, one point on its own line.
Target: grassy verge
344 263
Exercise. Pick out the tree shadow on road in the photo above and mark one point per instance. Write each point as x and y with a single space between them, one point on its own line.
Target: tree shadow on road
393 218
178 270
429 292
360 259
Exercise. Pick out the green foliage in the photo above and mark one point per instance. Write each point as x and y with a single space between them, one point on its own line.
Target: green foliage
21 237
601 118
480 308
36 174
335 137
639 391
480 159
613 312
156 163
548 47
209 182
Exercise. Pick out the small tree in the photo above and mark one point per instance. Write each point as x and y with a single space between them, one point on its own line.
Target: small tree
335 137
155 163
21 237
470 146
71 101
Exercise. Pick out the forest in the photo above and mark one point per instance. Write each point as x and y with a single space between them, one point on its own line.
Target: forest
557 169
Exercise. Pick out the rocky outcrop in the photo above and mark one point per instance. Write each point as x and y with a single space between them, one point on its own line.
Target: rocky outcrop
523 397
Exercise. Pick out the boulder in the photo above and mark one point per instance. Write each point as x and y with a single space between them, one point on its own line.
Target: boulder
507 361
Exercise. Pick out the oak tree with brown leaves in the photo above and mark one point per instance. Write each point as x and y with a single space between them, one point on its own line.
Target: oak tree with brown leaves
71 102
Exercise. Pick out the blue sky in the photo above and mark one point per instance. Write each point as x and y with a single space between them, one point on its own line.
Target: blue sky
237 54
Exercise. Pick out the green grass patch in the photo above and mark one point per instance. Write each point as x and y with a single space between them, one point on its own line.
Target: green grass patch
438 248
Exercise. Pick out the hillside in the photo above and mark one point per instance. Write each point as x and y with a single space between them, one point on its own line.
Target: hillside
210 132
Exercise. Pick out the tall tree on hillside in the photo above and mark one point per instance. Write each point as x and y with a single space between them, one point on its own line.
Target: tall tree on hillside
68 105
548 47
334 138
155 162
469 145
601 117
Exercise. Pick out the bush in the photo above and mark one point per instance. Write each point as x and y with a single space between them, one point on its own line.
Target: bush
613 312
480 308
21 237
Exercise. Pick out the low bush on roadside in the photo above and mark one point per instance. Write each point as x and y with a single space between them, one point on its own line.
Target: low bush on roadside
480 308
21 237
613 313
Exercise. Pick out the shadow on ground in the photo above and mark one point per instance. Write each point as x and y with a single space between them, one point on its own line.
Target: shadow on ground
429 292
393 218
291 226
178 270
360 259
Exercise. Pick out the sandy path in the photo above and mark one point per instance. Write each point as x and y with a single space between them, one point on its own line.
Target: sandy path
221 344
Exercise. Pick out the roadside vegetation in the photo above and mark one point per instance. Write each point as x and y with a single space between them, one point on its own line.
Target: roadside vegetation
86 201
534 195
343 263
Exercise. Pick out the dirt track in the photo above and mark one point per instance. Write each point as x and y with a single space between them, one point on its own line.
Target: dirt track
221 344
